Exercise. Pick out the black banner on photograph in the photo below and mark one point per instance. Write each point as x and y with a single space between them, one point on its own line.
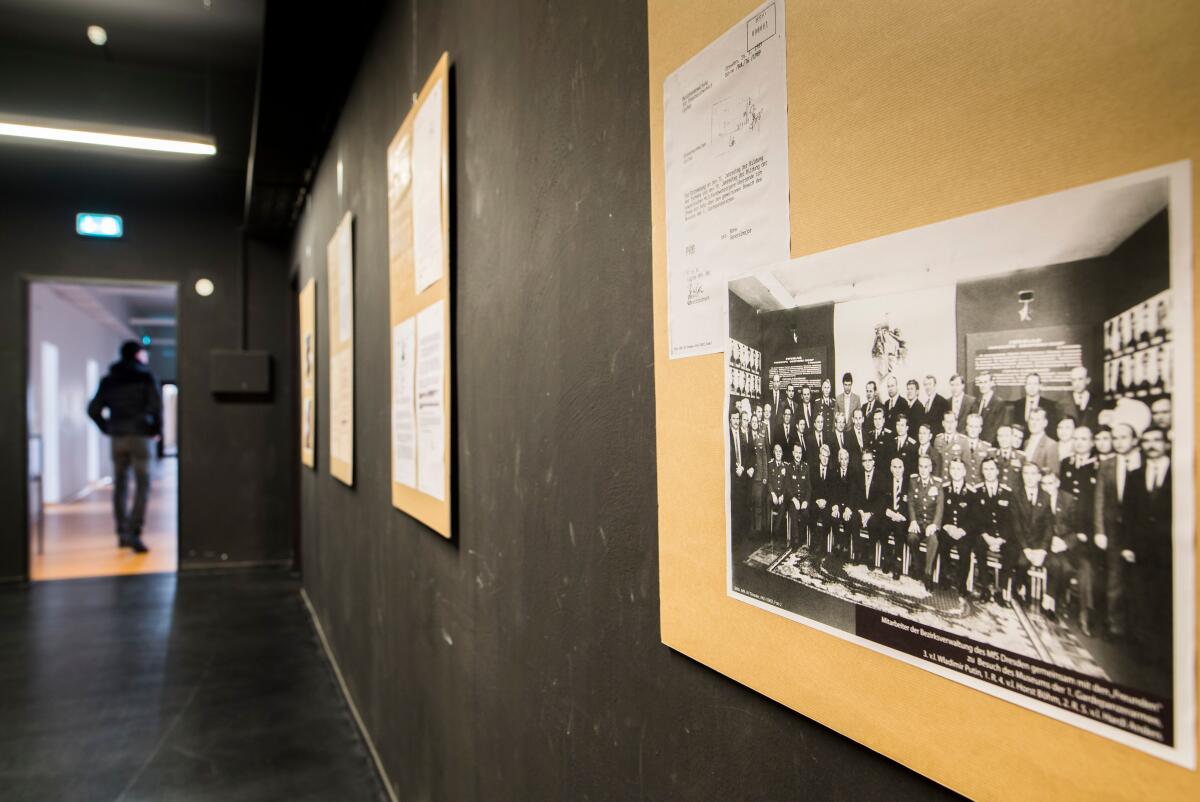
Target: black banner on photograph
1094 698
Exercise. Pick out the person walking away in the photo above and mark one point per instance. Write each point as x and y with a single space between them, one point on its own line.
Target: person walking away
131 397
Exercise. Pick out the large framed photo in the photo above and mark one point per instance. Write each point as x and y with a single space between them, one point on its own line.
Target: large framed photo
970 449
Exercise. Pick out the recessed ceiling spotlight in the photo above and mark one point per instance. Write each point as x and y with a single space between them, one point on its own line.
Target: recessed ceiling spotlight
97 35
204 287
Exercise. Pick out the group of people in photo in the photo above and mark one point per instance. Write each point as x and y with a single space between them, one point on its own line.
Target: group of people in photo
1011 501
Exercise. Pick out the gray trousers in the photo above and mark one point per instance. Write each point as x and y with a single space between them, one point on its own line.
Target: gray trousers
130 451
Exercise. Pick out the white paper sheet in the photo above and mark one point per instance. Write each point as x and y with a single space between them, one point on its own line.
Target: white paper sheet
725 132
431 401
345 279
427 190
404 424
341 405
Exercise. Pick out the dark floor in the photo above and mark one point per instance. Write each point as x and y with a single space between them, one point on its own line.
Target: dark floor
165 688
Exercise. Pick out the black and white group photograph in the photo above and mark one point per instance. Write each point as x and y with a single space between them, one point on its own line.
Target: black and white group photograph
972 463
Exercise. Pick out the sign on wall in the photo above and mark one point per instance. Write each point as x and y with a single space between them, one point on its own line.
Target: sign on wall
308 373
340 287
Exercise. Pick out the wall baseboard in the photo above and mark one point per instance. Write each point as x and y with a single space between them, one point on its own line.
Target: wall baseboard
337 672
193 566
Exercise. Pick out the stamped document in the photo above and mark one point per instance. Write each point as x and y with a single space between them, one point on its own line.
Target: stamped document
431 401
404 424
725 133
341 405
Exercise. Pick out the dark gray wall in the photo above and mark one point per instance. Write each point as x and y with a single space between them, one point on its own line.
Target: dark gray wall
234 497
522 661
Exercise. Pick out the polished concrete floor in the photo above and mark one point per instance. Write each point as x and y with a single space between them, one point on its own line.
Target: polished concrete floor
79 538
160 687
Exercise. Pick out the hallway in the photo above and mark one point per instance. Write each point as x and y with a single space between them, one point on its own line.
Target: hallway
162 687
80 541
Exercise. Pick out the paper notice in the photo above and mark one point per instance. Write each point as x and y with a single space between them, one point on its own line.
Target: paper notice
725 134
404 424
344 249
428 251
341 405
431 401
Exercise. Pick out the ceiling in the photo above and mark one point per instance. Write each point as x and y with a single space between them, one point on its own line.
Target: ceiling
241 71
131 310
1067 226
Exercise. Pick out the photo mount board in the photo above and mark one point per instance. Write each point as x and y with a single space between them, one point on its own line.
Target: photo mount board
307 301
406 302
339 285
939 133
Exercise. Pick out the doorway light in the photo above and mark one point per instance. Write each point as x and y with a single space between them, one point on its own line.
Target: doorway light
204 287
97 35
76 133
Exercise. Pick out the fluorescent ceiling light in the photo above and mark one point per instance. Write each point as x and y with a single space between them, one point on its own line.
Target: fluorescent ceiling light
107 136
97 35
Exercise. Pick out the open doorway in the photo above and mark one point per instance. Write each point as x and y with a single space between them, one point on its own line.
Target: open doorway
76 329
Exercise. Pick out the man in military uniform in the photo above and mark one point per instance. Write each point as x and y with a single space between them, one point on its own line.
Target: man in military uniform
777 475
798 489
902 446
925 449
926 503
888 534
1079 475
946 440
877 437
1008 459
975 449
958 529
993 521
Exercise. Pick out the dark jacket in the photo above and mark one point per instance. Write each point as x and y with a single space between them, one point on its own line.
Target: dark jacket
130 394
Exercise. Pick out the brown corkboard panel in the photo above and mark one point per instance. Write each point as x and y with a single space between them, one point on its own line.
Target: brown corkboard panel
307 301
902 115
406 302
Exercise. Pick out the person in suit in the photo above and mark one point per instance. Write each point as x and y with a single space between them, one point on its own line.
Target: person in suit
785 431
1022 409
891 529
1032 522
789 401
1064 555
817 436
1079 477
840 438
993 411
760 510
925 448
1104 443
993 522
858 434
872 403
1041 449
867 501
777 477
902 446
824 499
893 405
926 505
961 403
935 406
1108 518
958 529
912 405
798 492
1082 405
878 434
1160 415
848 400
843 521
805 408
1146 550
769 425
1065 436
741 470
975 448
801 440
